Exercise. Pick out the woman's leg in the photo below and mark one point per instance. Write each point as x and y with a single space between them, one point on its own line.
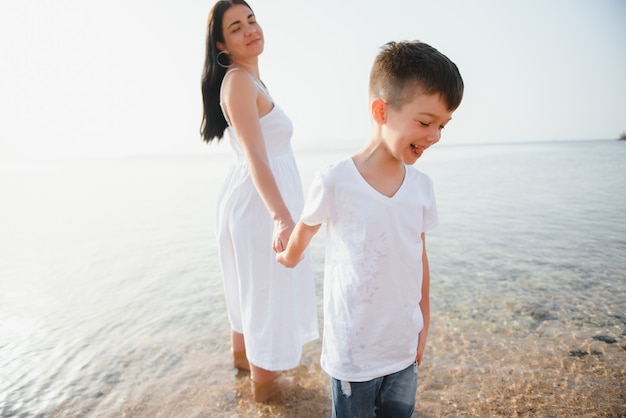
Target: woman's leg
260 375
264 385
238 344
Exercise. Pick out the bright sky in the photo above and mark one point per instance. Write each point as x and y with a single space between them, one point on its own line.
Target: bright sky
94 78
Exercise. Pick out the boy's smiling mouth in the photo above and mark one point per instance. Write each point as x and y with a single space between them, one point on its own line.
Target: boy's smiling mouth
417 150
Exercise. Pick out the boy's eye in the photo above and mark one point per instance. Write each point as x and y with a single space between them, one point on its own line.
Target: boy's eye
427 124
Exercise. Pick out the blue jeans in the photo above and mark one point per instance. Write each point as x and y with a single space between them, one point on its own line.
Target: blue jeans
391 396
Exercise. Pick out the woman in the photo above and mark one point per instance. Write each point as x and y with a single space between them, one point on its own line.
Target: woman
271 309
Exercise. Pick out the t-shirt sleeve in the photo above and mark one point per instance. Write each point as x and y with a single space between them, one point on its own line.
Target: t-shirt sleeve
431 216
316 206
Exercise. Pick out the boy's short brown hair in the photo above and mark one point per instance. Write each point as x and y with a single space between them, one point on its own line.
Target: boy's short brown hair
403 69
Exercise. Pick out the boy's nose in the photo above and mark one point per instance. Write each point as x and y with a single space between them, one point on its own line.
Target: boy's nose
434 136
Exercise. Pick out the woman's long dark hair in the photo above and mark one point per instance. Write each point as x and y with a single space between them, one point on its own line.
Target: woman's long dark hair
213 121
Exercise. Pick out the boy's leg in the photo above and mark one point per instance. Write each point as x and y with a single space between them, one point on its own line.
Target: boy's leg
354 399
397 393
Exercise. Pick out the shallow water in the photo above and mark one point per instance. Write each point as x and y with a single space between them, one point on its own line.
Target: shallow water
532 232
111 290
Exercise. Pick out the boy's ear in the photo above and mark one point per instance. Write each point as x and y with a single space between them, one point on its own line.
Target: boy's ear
379 111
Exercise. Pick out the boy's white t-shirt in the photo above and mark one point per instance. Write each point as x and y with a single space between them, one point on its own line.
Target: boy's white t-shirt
373 269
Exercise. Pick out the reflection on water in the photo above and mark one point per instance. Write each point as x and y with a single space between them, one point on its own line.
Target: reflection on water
111 288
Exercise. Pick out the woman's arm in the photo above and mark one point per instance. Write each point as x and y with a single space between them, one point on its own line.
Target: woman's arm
424 303
298 242
244 105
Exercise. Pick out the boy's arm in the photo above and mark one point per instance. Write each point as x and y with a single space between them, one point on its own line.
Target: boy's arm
298 242
424 303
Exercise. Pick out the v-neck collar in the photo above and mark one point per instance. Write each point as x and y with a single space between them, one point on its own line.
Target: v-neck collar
375 191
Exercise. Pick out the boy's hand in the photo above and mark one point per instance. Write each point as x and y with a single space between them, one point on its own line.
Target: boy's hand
418 358
282 258
421 345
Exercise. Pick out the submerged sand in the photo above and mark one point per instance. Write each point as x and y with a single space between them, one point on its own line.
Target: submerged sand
541 373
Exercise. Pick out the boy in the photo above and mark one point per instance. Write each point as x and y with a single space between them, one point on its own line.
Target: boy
377 207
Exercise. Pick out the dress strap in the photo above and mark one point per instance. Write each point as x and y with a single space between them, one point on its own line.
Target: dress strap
258 83
262 87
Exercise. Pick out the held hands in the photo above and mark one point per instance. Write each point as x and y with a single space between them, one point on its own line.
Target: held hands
283 259
281 234
290 255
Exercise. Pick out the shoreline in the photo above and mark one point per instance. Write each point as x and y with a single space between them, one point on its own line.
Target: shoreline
465 373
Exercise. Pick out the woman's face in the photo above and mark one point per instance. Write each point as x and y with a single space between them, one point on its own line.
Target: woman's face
243 37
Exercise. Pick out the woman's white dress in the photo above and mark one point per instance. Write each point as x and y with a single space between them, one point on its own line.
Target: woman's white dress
273 306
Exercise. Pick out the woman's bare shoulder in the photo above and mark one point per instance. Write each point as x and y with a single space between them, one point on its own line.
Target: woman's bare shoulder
237 80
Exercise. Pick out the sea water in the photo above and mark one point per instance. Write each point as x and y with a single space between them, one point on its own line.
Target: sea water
109 276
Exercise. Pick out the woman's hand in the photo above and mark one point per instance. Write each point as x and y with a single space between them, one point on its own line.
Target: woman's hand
297 243
282 231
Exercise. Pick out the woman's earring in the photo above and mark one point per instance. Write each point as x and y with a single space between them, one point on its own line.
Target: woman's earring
217 59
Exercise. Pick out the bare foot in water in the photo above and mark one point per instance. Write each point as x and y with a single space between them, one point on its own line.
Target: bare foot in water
272 389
